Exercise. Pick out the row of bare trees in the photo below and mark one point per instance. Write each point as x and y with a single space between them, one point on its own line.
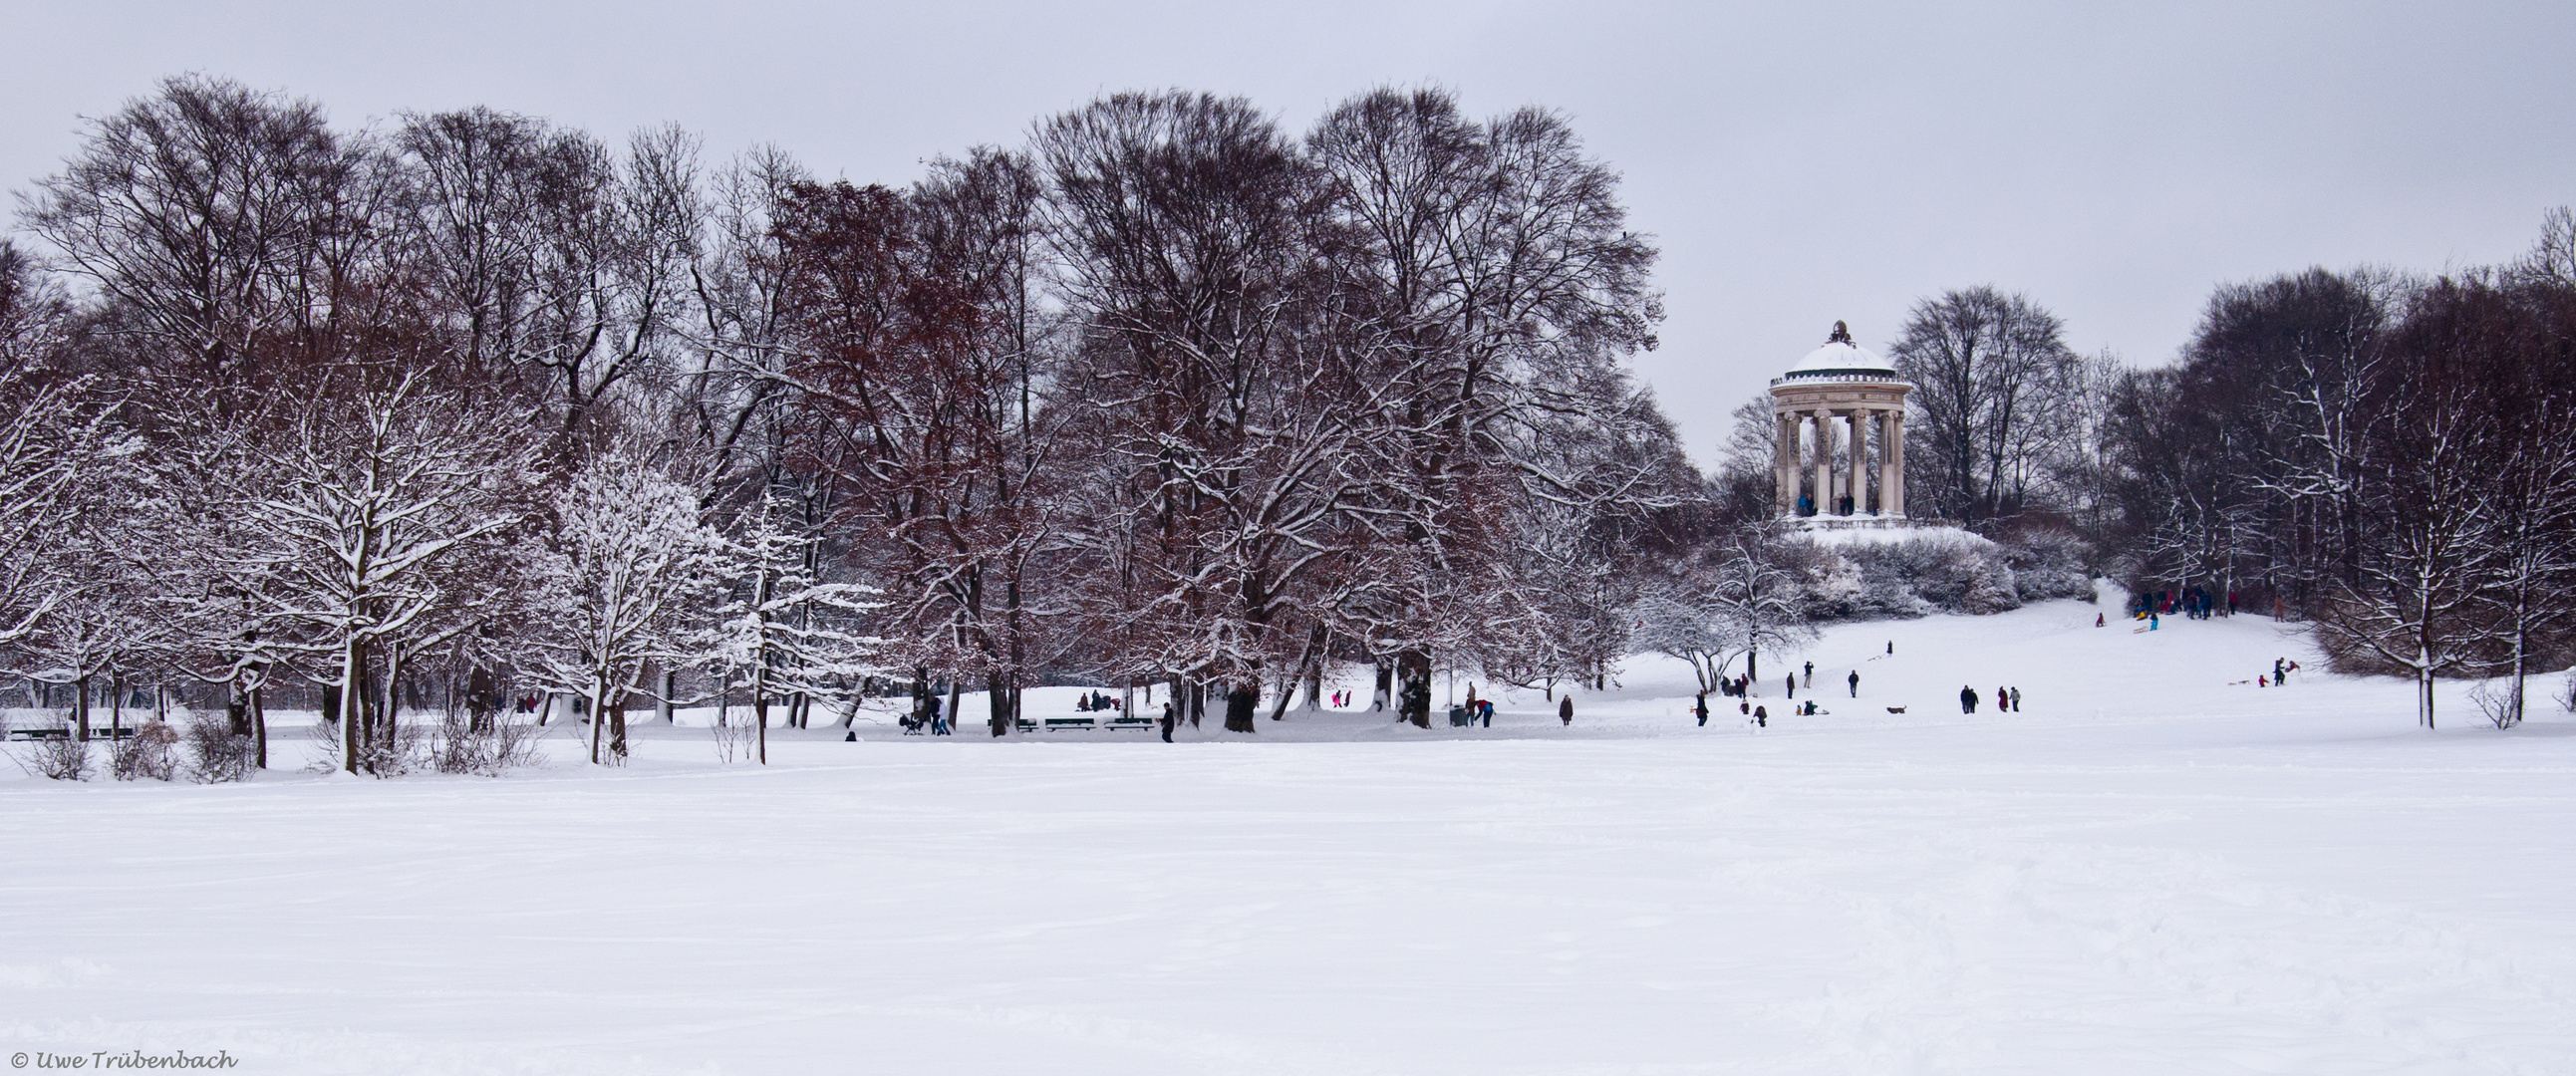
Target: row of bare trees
2390 456
473 406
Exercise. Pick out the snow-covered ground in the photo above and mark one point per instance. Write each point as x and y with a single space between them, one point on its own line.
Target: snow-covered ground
2151 869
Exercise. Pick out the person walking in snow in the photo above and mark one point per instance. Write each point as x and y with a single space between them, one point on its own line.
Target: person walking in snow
1811 674
1967 699
1855 683
2003 699
1167 722
2097 620
1565 710
2016 697
1761 717
1699 706
1793 685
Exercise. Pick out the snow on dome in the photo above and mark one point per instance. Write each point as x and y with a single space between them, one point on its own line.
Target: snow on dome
1841 356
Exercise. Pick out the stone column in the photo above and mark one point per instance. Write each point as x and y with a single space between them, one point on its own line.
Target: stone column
1824 461
1886 466
1784 463
1859 452
1896 459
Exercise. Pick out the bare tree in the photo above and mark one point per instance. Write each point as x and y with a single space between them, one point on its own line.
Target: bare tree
217 224
1989 370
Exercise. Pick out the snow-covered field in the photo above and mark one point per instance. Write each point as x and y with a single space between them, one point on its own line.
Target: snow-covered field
2149 870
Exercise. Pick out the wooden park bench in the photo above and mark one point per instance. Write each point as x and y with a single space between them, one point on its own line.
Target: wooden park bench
1131 721
55 732
1054 723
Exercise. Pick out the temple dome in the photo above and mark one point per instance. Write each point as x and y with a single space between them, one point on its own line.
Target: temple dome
1841 358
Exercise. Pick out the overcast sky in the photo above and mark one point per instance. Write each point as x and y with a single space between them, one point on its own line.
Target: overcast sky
2113 161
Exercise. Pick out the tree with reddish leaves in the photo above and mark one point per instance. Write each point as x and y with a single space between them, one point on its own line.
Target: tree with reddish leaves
913 360
1228 432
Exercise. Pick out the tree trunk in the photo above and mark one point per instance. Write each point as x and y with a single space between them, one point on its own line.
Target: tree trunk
662 702
1005 702
393 698
259 729
237 706
1413 675
1287 690
80 709
1379 696
479 707
599 690
351 655
1240 704
1319 650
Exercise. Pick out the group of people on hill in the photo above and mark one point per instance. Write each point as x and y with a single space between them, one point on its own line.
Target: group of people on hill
2007 699
2192 602
2281 670
1096 700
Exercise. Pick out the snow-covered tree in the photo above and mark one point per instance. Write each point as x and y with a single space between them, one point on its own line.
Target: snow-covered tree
631 573
790 633
1686 631
1754 595
358 516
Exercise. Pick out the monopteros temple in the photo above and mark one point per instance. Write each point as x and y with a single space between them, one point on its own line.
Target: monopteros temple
1841 410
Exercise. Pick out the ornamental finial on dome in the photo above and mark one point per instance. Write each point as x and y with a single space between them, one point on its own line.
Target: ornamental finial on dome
1842 334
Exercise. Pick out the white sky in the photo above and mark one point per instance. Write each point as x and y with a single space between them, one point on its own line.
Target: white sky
1796 166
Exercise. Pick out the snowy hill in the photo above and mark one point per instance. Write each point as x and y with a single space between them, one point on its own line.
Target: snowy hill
2151 869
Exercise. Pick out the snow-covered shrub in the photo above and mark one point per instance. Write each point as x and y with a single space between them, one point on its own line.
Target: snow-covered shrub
151 753
489 746
1878 577
215 753
60 758
2049 563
